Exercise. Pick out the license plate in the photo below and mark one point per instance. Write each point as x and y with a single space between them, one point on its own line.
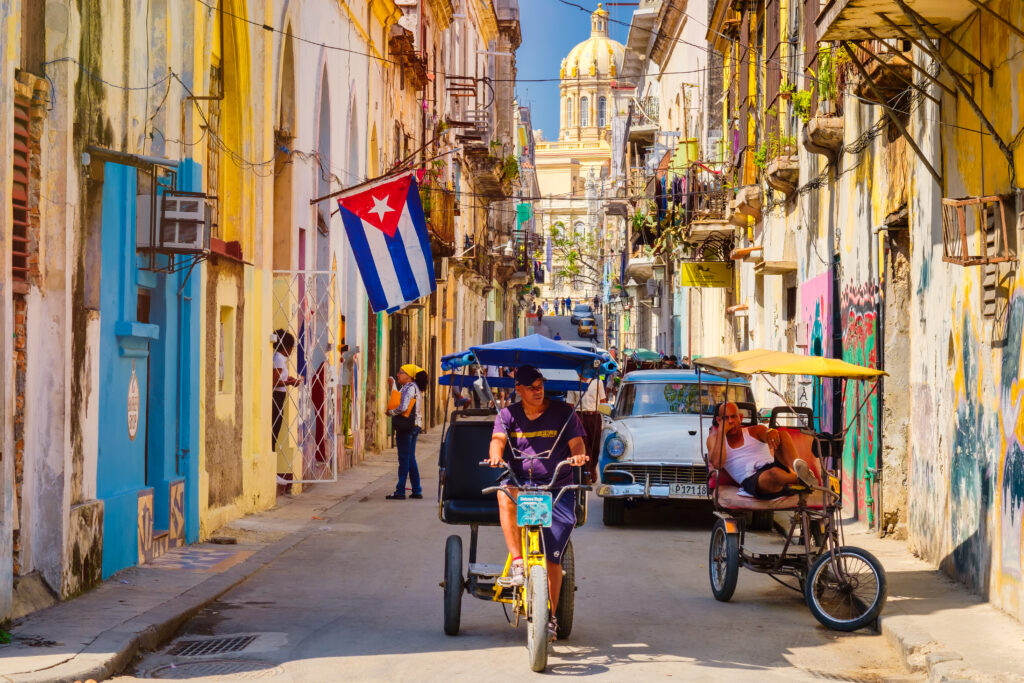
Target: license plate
687 490
533 509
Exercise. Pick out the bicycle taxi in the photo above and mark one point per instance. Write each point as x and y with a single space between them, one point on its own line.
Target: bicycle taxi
468 489
843 586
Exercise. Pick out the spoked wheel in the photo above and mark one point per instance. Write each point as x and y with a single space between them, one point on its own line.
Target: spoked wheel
452 584
846 592
537 618
723 561
567 596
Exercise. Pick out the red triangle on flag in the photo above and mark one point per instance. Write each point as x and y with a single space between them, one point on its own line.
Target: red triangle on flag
381 205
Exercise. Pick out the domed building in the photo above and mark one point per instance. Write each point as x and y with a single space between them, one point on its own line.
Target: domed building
587 75
574 170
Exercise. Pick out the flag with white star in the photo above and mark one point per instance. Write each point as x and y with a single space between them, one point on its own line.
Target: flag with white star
386 227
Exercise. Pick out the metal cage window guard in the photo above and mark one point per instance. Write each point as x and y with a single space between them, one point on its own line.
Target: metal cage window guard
974 230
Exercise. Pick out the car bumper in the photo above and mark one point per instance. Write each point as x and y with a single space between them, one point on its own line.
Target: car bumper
641 490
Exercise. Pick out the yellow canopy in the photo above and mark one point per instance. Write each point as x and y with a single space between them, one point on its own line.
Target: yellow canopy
763 361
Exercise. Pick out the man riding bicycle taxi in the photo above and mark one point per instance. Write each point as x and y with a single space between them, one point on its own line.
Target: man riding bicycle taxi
544 433
762 461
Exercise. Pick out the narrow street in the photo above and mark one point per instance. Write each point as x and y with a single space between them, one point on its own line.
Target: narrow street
360 601
563 326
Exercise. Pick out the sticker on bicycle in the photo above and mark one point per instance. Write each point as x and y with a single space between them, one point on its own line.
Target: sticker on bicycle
533 509
833 484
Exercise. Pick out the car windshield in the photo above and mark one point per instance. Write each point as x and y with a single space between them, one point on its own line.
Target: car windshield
656 398
582 308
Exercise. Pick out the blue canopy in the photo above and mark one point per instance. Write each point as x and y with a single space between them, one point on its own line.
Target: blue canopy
466 381
539 351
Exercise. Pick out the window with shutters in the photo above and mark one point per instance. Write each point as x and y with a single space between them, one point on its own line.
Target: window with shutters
773 63
602 112
584 112
213 147
20 190
810 13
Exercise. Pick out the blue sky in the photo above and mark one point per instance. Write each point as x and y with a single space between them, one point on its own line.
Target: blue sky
550 29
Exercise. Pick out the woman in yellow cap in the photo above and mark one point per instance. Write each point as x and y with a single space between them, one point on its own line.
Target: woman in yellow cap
407 419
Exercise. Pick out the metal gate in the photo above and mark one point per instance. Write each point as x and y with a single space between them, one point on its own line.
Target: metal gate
305 305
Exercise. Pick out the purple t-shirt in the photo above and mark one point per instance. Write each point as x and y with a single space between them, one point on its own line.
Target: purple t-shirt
531 440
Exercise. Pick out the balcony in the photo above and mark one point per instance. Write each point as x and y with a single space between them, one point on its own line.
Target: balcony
745 205
403 50
888 67
439 209
488 176
643 124
824 135
707 200
783 172
863 19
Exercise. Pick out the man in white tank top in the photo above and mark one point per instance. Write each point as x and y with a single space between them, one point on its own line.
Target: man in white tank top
763 461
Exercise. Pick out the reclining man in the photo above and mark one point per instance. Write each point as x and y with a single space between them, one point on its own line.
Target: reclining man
762 461
544 433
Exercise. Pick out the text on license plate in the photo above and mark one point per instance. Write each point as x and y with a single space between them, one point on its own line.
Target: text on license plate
687 490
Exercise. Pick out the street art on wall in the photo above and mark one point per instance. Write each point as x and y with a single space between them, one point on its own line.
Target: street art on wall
1011 469
815 313
971 477
859 312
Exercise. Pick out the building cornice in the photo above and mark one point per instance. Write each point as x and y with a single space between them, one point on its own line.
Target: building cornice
487 19
443 11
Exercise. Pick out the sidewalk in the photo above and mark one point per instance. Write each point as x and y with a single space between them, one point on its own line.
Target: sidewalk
97 634
938 627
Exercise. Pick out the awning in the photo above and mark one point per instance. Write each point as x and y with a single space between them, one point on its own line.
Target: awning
765 362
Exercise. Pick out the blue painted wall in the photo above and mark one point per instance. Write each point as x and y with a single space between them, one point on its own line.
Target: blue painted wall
165 357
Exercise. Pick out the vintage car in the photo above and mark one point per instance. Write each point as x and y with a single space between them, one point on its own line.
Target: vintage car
650 446
587 328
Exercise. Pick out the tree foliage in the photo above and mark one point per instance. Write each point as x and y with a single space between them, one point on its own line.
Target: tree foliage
575 255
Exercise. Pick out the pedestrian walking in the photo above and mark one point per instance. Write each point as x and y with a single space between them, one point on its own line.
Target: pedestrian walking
568 306
407 420
597 304
590 416
285 345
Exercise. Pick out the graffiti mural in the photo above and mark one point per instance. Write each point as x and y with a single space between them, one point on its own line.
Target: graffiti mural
1011 471
815 298
975 438
859 310
927 494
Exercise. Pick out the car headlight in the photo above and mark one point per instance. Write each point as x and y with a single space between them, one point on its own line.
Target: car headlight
615 447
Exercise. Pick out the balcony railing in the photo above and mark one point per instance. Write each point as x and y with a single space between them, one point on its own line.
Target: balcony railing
707 195
645 111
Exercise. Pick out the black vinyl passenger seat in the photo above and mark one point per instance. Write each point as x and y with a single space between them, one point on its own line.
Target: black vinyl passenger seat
465 445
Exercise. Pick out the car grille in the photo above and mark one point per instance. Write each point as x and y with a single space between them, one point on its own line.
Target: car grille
664 474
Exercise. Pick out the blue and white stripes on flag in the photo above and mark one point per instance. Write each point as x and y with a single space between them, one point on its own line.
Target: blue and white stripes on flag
386 227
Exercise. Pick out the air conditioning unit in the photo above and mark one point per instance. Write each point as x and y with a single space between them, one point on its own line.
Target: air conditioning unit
181 226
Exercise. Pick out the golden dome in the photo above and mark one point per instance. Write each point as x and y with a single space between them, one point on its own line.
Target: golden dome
599 56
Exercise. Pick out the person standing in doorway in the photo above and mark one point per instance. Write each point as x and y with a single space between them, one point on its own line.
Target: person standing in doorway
285 345
407 420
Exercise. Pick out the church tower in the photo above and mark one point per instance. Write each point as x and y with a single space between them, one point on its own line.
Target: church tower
587 76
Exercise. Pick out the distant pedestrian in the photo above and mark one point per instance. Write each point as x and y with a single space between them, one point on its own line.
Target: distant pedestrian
285 345
597 304
545 307
557 336
568 306
407 420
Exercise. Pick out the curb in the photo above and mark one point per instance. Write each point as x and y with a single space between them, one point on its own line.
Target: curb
921 653
113 650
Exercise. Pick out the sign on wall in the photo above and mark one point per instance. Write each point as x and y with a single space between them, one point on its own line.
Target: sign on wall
705 274
133 404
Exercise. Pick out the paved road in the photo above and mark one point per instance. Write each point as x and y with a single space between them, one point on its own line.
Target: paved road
562 324
361 602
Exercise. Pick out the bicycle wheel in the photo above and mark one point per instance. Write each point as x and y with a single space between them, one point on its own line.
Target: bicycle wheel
567 595
452 584
846 593
723 561
537 618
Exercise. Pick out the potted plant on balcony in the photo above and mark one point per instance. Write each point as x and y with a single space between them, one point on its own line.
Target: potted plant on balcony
823 133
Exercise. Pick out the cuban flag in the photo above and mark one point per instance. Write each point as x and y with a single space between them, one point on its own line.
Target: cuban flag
388 233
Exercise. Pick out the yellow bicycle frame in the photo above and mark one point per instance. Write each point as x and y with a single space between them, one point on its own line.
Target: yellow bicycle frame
533 555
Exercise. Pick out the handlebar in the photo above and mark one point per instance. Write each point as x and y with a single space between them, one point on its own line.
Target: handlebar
548 487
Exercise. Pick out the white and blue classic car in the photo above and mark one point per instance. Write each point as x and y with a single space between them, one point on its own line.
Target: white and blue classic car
651 445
